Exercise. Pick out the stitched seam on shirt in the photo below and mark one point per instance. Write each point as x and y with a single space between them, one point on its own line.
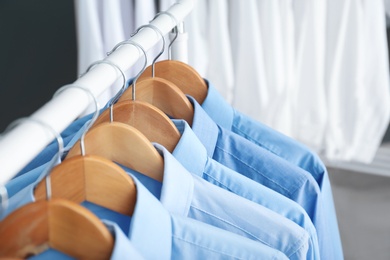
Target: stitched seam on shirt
246 135
277 184
227 188
222 185
265 146
210 249
257 142
231 224
299 241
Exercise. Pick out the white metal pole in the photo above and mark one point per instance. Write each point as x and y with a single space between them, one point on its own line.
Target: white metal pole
24 142
179 49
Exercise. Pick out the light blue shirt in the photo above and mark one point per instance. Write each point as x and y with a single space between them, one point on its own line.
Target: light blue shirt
217 174
156 234
184 194
283 146
264 167
191 153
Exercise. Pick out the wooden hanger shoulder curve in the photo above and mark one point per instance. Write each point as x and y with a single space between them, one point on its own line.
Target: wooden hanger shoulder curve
125 145
182 75
58 224
147 119
91 178
164 95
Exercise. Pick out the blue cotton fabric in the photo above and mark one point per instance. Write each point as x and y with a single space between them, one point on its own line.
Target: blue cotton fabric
281 145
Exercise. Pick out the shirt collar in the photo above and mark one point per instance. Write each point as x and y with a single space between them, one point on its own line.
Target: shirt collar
217 108
151 227
204 127
189 151
123 248
178 185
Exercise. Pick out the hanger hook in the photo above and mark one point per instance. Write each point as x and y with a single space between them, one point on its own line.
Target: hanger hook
123 88
94 117
175 29
3 200
131 42
60 143
162 37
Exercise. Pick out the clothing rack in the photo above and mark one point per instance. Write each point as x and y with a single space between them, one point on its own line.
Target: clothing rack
21 144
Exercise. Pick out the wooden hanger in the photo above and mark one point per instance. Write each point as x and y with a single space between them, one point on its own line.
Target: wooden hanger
58 224
185 77
148 119
91 178
122 144
164 95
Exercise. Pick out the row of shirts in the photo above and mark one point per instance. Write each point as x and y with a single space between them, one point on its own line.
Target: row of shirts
232 188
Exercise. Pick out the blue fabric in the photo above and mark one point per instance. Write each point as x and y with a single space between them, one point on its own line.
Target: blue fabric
186 195
191 153
283 146
256 163
156 234
262 166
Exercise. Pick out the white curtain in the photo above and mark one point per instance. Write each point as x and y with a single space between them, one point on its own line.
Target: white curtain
315 70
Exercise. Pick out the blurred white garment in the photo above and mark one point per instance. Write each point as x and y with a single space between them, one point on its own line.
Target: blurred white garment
357 79
220 68
100 26
165 4
250 84
196 26
288 39
91 37
144 12
309 112
275 43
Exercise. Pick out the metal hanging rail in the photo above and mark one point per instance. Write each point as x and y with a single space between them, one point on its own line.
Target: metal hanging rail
20 145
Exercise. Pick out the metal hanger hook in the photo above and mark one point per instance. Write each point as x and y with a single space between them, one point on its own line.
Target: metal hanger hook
162 37
175 29
123 88
94 117
3 200
131 42
60 143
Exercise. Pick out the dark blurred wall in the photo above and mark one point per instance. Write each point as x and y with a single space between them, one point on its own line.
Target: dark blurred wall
37 54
